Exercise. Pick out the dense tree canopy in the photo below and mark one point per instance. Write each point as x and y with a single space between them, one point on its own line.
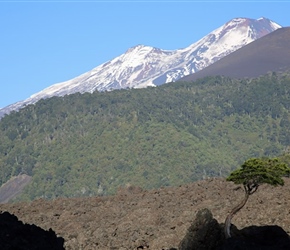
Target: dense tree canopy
89 144
258 171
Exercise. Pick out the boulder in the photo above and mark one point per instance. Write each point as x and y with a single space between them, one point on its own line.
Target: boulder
205 233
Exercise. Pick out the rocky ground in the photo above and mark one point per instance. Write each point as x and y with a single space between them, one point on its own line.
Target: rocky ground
154 219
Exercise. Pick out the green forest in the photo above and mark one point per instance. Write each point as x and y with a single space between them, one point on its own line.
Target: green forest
92 144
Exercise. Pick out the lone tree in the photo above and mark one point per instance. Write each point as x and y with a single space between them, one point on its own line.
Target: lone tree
251 175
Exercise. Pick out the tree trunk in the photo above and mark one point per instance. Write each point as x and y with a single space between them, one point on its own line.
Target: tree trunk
233 212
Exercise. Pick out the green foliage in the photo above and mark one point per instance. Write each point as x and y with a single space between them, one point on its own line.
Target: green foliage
258 171
90 144
252 173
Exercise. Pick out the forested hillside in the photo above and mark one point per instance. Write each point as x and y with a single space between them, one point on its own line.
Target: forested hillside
91 144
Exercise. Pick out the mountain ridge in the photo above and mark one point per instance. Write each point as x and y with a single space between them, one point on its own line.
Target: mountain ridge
142 66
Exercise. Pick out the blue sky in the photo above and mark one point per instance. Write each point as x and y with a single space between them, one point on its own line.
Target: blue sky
46 42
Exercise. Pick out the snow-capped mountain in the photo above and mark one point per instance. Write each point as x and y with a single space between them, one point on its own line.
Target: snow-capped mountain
143 66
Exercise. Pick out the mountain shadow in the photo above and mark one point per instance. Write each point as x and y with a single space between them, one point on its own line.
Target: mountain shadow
19 236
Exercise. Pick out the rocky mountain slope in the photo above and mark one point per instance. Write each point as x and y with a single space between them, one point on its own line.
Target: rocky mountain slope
270 53
156 219
143 66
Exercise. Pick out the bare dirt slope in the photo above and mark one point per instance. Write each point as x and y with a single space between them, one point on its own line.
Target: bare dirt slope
155 219
13 187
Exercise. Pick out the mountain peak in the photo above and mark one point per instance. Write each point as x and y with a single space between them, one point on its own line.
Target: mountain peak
139 47
252 28
269 22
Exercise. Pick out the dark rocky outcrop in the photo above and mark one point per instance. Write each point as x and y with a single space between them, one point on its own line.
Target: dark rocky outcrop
14 235
205 233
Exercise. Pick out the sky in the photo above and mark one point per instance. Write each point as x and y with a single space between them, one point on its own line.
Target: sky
47 42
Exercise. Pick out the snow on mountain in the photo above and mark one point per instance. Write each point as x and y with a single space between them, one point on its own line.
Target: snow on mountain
143 66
